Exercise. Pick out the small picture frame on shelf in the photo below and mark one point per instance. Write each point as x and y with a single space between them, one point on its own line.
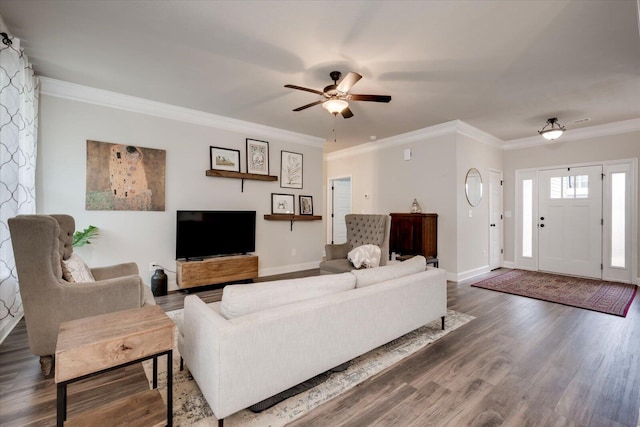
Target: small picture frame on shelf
290 170
306 205
224 159
282 204
257 157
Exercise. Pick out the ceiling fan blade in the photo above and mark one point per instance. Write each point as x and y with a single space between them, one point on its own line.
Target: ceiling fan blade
308 105
347 83
346 113
306 89
373 98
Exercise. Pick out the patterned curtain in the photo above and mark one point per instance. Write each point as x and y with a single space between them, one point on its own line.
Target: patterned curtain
19 91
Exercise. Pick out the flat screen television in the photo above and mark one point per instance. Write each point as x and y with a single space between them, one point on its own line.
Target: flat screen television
202 234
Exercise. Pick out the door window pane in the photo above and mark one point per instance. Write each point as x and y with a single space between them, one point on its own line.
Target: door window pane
581 186
618 202
527 217
555 187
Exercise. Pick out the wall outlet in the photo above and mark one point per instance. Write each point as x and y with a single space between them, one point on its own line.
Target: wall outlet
152 266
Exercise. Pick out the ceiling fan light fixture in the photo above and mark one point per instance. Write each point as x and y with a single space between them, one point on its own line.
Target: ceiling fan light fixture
552 130
335 106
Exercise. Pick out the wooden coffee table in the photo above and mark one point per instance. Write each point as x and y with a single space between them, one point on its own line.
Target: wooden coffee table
97 344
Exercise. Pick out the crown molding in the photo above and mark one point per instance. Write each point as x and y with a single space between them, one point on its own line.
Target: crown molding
105 98
446 128
625 126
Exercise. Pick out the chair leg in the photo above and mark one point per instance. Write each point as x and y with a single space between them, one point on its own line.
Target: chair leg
181 364
46 363
442 322
221 423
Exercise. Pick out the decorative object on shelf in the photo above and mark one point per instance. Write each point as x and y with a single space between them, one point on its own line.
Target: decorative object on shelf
306 205
124 177
473 187
81 238
552 130
415 207
257 157
159 283
282 204
290 170
224 159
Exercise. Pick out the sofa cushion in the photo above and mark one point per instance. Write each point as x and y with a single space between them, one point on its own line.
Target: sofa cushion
375 275
239 300
75 270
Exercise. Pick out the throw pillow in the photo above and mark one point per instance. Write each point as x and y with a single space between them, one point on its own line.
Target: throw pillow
388 272
239 300
75 270
367 256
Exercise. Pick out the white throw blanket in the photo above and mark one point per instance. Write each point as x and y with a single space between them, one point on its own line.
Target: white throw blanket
367 256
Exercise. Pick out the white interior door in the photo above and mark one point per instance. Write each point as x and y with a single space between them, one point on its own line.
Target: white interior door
340 206
570 221
496 254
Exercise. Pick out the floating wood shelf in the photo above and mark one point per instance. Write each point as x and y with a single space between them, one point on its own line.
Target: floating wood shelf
292 218
240 175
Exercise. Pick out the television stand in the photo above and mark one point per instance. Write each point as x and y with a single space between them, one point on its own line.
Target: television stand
212 271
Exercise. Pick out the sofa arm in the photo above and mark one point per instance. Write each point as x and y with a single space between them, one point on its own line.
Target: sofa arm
337 251
118 270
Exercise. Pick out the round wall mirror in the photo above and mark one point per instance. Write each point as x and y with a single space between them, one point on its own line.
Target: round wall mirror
473 187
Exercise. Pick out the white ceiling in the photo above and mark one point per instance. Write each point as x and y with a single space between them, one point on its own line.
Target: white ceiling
501 66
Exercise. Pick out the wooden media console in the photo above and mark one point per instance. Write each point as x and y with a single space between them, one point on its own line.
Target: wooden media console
212 271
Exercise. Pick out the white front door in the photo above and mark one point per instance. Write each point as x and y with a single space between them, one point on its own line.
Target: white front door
495 220
570 221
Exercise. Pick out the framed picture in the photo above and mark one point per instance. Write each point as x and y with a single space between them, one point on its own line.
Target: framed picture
224 159
257 157
282 204
306 205
291 170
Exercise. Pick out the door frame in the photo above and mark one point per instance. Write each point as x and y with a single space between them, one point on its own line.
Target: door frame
608 166
500 220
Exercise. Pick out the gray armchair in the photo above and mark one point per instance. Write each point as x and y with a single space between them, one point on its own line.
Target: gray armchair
362 229
40 243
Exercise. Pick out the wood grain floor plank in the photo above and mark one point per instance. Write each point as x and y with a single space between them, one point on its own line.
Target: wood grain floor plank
521 362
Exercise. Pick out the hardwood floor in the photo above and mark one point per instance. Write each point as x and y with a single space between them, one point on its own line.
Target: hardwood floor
521 362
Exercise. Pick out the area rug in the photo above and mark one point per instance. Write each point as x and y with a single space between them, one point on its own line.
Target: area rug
597 295
191 409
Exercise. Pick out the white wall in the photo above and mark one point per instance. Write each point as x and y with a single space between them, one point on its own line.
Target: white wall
440 158
142 236
473 232
603 148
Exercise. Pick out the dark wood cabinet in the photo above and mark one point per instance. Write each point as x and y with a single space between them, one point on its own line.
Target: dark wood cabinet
414 234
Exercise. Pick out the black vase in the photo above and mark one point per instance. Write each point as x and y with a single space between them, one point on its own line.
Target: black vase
159 283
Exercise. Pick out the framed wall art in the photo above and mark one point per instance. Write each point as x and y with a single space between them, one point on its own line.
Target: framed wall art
257 157
282 204
306 205
291 170
224 159
124 177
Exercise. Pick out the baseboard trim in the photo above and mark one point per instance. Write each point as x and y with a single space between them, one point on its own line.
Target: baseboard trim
272 271
469 274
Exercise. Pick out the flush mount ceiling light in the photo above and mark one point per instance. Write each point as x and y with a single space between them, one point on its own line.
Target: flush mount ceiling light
552 130
335 106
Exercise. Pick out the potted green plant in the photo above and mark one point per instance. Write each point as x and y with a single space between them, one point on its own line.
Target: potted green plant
81 238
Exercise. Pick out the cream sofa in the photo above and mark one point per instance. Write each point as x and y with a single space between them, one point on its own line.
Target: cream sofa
264 338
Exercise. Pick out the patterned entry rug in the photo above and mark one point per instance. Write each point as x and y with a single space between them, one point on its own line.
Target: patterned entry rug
190 408
597 295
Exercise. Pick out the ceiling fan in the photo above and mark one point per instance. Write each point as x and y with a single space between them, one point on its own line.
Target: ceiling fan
336 97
